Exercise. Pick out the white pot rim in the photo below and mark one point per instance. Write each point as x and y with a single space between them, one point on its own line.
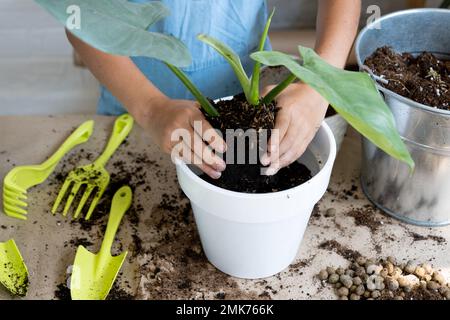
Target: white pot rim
256 196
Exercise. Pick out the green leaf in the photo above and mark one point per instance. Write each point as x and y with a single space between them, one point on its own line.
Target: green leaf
120 27
204 102
254 85
352 94
232 58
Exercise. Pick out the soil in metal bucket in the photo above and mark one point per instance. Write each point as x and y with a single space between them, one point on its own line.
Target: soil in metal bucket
424 79
238 114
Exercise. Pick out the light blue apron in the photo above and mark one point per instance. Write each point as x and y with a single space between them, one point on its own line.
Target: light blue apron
238 23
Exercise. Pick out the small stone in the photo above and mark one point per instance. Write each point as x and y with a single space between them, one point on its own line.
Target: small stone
388 294
392 284
431 285
360 290
331 270
407 289
443 290
346 280
409 280
390 268
398 298
428 268
374 269
371 285
392 260
343 291
376 294
331 212
333 278
420 272
423 284
354 296
340 271
447 295
353 288
360 271
379 283
367 294
364 277
384 272
350 273
357 281
354 266
338 285
439 278
428 277
361 260
410 267
343 298
323 275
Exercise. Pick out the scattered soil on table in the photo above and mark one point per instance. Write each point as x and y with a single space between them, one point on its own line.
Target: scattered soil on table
419 237
238 114
175 267
424 79
333 245
368 216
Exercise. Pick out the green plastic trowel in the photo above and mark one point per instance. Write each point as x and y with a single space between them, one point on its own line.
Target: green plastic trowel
13 271
93 275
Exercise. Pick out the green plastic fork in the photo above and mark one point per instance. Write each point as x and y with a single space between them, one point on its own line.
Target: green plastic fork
93 176
20 179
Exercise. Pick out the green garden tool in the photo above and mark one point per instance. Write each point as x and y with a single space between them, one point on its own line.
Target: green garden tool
93 176
20 179
93 275
13 271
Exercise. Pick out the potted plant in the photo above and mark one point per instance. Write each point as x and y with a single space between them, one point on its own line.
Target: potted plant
245 234
415 86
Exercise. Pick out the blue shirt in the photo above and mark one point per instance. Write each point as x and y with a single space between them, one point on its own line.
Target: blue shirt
238 23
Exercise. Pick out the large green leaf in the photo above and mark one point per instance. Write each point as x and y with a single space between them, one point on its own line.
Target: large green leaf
120 27
352 94
232 58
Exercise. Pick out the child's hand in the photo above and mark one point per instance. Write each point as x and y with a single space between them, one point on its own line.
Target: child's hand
302 112
166 118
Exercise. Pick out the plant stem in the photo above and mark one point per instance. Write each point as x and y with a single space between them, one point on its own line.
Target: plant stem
278 89
253 97
204 102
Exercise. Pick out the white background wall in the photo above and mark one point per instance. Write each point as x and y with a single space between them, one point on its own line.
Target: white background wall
37 75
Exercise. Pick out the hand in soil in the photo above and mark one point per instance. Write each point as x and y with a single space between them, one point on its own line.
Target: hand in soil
169 119
301 113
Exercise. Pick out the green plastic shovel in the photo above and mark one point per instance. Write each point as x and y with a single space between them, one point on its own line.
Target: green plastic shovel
93 274
13 271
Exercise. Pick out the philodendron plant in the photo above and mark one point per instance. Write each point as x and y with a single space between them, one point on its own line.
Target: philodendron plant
120 27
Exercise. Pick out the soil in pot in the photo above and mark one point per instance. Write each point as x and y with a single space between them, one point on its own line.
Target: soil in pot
424 79
247 178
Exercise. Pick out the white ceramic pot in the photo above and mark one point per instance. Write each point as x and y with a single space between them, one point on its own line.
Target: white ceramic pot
258 235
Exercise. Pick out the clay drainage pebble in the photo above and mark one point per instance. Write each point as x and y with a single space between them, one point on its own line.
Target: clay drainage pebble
385 279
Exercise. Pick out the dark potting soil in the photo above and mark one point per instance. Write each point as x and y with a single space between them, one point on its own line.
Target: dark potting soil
238 114
424 79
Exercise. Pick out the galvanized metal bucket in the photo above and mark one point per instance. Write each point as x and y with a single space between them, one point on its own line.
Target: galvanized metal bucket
423 197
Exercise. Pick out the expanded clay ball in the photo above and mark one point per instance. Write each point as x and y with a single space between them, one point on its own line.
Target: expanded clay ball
323 275
369 279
